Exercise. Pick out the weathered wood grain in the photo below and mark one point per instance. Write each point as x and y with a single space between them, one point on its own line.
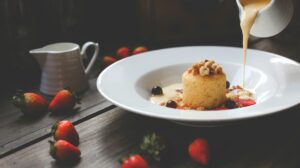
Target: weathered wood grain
271 141
17 130
102 143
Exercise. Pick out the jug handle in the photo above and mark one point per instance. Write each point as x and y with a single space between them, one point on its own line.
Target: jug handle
95 55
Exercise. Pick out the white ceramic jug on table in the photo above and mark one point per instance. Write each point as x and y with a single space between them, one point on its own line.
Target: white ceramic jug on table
272 19
62 66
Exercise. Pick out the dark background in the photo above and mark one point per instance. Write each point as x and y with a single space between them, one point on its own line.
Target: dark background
29 24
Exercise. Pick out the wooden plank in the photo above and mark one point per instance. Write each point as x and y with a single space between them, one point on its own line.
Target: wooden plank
271 141
17 131
233 147
98 141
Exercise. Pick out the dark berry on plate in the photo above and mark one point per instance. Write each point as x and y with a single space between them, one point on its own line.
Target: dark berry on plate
227 84
171 104
157 90
230 104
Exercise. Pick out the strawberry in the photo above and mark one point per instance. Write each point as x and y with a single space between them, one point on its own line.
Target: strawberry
199 151
244 102
63 151
30 104
66 131
221 108
123 52
63 101
135 161
139 49
109 60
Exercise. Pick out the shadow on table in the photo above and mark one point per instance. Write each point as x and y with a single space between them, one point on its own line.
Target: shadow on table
65 164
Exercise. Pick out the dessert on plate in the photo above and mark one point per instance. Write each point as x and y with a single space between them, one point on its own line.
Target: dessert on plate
203 87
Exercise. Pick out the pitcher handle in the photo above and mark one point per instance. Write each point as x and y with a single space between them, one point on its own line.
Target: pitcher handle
95 55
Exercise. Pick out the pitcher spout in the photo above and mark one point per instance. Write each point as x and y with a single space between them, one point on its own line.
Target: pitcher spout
39 55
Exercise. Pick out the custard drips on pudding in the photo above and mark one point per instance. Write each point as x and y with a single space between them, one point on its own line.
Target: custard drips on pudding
251 9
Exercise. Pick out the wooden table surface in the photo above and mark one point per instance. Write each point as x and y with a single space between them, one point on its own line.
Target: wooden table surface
107 133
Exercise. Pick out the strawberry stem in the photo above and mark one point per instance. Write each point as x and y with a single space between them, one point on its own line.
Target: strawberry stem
53 129
154 146
52 149
18 99
76 97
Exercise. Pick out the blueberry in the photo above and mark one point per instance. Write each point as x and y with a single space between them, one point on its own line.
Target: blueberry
171 104
230 104
227 84
157 90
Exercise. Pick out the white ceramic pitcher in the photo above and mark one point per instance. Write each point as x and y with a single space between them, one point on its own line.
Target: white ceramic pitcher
62 66
272 19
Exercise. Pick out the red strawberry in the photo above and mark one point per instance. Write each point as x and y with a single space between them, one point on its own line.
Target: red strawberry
63 151
244 102
30 103
199 151
221 108
109 60
66 131
140 49
63 101
135 161
123 52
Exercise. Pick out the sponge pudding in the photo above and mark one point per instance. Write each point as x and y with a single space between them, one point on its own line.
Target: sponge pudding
204 85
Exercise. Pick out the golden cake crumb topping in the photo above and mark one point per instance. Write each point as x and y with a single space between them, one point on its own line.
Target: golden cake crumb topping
205 68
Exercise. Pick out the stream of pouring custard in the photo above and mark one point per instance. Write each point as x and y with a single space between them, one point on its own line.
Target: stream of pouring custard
251 9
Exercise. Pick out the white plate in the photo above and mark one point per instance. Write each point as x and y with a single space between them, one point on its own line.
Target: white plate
275 81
